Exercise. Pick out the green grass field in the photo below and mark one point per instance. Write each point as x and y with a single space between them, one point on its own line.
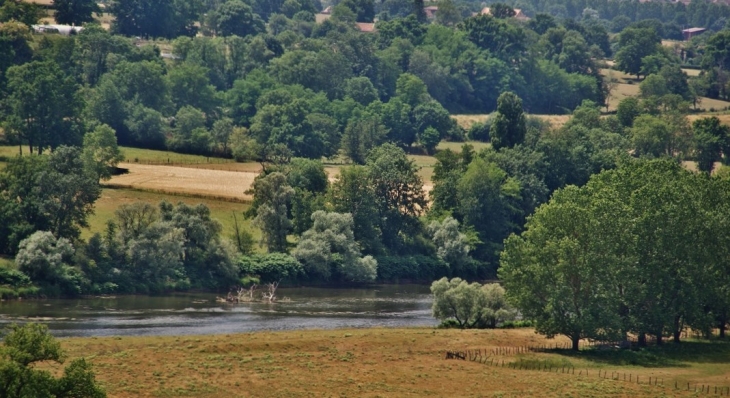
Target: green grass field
220 210
149 155
393 363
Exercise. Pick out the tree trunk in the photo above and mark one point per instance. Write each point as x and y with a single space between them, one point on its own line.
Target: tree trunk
677 330
659 340
575 340
721 326
642 339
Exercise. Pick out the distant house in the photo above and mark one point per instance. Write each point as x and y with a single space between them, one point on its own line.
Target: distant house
431 11
327 11
519 15
692 32
65 30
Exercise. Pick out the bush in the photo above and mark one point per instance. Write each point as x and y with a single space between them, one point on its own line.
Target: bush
394 268
480 131
517 324
271 267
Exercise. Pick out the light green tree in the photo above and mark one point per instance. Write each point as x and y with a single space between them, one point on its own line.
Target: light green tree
470 305
452 246
100 152
329 248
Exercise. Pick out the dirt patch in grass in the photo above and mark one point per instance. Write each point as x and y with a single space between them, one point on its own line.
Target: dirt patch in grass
374 362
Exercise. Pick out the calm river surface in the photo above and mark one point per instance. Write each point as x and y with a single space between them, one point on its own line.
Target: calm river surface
308 308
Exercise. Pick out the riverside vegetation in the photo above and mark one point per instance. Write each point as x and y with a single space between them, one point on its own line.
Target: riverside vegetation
593 226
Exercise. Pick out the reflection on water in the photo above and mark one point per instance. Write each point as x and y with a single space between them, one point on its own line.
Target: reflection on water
199 313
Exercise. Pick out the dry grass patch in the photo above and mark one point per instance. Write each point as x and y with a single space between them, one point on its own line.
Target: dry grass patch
220 184
466 121
362 363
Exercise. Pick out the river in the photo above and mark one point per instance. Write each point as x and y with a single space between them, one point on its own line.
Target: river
199 313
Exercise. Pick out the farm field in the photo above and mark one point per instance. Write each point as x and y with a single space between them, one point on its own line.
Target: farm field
466 121
201 182
387 362
221 210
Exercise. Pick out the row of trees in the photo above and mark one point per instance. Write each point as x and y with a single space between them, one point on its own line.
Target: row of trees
297 89
639 250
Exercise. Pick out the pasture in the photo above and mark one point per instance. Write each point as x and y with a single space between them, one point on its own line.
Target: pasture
389 362
221 210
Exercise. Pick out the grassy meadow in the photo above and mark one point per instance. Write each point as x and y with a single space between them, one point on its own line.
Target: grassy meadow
220 210
386 362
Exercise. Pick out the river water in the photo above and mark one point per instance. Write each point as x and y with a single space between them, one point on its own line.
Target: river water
199 313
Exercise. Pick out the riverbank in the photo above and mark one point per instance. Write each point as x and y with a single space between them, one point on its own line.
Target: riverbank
405 362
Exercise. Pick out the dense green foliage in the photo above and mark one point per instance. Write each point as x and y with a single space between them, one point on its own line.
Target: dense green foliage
470 305
262 81
24 347
637 250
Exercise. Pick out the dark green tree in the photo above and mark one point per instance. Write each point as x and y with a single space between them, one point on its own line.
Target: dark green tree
30 344
75 12
44 106
234 17
508 125
710 141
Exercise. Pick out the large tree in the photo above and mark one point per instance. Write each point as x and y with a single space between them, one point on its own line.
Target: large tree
634 45
75 12
399 194
508 127
44 106
273 194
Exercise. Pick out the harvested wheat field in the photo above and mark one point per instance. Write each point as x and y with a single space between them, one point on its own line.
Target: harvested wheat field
222 184
466 121
389 363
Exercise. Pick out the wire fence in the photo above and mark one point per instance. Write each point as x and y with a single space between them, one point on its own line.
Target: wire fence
497 357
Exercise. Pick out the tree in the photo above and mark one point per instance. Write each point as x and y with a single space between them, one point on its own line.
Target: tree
651 136
508 125
711 140
44 106
271 268
470 305
273 194
154 18
487 201
234 17
364 10
45 259
634 45
451 245
67 192
361 136
27 345
501 11
189 86
75 12
399 194
447 13
100 151
352 193
329 248
207 261
557 272
654 85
